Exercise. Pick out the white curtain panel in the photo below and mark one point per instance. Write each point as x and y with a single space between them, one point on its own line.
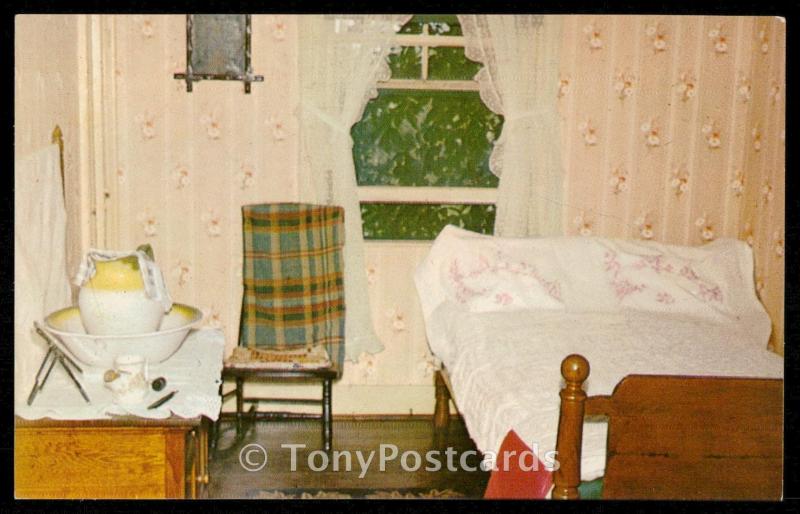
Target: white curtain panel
341 59
519 80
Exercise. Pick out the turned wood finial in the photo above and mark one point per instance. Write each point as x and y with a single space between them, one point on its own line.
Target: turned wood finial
574 369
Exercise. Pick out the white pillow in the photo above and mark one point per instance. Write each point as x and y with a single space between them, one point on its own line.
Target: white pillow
581 262
479 273
482 273
703 281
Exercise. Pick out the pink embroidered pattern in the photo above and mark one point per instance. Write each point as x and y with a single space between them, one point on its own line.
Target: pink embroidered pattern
622 287
706 291
654 262
464 292
503 299
710 294
664 297
689 273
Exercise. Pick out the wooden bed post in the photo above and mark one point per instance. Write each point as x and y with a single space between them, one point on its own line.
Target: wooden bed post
574 369
441 415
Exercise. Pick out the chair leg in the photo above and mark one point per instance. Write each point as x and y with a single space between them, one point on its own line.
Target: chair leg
205 442
441 416
239 405
327 420
214 435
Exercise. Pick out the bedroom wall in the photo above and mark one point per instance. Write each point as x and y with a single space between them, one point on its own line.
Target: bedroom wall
49 90
763 215
174 167
181 164
178 166
673 131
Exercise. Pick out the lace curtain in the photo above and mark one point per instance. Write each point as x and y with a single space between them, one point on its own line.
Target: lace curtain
519 80
340 60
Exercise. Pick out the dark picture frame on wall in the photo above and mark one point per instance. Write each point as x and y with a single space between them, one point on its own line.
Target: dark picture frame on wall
218 47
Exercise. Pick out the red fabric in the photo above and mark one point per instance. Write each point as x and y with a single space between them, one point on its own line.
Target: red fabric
511 481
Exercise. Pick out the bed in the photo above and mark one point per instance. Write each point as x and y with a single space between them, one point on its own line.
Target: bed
676 437
502 313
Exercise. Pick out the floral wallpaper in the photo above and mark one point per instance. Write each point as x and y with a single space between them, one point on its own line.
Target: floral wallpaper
673 130
184 163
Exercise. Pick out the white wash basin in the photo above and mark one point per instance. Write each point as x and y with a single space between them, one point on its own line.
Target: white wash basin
101 350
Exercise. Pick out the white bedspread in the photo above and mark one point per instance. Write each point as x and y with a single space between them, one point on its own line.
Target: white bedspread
505 366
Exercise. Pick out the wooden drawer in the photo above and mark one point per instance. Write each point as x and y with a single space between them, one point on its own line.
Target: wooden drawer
89 461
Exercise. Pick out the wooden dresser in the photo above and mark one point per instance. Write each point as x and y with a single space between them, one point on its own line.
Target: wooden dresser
111 458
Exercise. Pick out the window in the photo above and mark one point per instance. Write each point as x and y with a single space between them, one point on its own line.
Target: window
422 148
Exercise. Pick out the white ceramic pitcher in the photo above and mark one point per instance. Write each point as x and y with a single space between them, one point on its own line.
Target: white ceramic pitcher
114 302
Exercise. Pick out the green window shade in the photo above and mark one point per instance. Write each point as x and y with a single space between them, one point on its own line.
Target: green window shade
425 138
423 221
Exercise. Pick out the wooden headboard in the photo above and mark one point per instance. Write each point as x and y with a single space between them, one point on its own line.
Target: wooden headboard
676 437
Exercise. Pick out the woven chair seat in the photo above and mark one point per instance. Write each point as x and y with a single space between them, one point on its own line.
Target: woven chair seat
257 358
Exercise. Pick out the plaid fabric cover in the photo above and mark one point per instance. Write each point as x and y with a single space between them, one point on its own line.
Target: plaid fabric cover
293 278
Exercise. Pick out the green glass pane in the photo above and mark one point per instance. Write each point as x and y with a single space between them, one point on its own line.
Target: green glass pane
440 24
406 62
449 63
425 138
412 26
423 221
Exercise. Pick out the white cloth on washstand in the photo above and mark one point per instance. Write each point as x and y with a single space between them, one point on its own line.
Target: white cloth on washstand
194 371
41 281
154 286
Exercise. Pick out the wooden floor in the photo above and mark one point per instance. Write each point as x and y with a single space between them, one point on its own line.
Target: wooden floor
229 478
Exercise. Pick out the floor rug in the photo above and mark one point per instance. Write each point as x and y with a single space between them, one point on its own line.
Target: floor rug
346 494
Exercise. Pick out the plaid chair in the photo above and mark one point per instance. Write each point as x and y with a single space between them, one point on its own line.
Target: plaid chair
292 320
